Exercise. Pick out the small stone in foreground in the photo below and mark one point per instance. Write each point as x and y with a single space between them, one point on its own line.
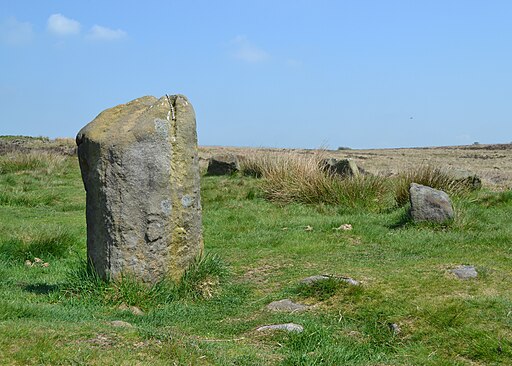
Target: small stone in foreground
289 327
316 278
286 305
121 324
465 272
312 279
395 328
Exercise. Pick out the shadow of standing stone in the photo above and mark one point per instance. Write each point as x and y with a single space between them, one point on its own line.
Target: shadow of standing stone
139 165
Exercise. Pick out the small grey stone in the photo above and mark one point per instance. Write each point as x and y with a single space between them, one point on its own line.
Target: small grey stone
289 327
121 324
394 328
465 272
429 204
286 305
349 280
312 279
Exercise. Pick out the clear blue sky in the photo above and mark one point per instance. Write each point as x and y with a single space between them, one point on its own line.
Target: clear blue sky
283 73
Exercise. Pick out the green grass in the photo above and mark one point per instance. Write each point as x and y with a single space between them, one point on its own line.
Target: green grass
258 251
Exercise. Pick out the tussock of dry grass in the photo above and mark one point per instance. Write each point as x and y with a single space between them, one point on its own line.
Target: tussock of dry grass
427 175
45 162
299 178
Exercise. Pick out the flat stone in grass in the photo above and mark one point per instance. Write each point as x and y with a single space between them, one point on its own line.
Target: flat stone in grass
288 327
286 305
429 204
465 272
316 278
120 324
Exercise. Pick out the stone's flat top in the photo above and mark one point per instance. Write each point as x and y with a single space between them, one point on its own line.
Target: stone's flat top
312 279
465 272
132 121
289 327
286 305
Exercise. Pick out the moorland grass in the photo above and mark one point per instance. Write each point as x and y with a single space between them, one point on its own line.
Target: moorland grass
431 176
61 314
291 177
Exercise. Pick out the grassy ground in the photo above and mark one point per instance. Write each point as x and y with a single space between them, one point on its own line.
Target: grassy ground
46 317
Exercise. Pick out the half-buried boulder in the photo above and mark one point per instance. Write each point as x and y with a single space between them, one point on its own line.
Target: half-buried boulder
343 168
429 204
223 165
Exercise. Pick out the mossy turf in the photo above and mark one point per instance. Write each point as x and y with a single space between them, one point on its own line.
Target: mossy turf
61 314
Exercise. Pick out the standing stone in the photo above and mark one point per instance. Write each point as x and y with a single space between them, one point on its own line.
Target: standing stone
429 204
140 169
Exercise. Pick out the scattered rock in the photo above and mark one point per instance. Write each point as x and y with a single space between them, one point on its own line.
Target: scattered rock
468 179
312 279
121 324
465 272
136 311
38 262
289 327
343 168
429 204
395 328
139 165
132 309
344 227
100 340
223 165
286 305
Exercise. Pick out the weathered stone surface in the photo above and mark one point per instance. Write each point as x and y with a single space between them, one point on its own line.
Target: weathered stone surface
468 179
343 168
429 204
465 272
286 305
289 327
313 279
139 166
223 165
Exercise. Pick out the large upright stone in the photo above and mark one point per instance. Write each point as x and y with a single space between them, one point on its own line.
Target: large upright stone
140 169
